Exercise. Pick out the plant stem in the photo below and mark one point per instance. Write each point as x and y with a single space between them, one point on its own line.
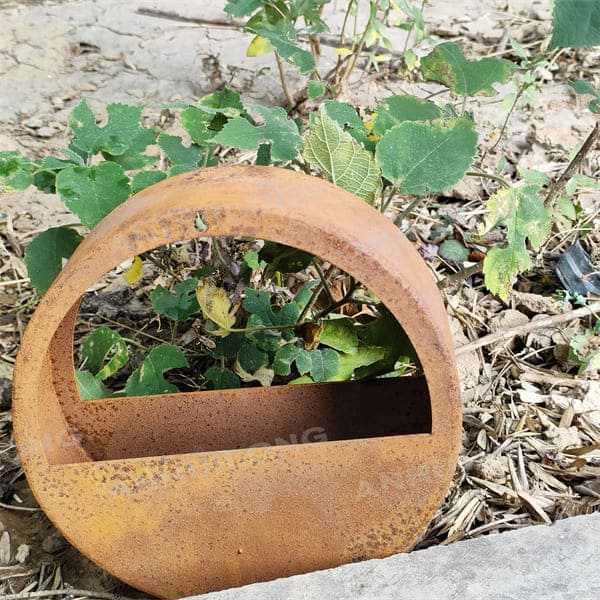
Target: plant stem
460 275
318 289
326 287
495 178
398 220
544 323
284 83
347 297
557 186
505 124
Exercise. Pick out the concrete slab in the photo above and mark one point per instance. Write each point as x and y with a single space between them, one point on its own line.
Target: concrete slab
546 562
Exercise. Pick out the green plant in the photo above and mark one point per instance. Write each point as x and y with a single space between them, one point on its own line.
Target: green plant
405 145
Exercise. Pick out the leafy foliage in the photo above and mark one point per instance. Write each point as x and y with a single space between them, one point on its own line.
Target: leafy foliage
277 130
522 212
576 23
341 158
423 157
45 253
179 304
149 378
447 64
105 352
586 88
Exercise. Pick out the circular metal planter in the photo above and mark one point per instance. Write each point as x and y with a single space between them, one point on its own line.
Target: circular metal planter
192 492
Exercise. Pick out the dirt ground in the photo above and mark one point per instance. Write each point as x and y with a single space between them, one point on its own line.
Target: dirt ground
531 427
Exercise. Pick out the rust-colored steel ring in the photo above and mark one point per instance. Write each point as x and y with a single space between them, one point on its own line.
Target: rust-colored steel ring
192 492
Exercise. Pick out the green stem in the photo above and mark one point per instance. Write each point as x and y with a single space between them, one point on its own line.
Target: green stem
495 178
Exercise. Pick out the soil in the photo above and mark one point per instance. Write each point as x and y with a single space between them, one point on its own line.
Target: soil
526 414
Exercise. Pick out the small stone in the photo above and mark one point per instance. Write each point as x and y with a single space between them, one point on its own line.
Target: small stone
33 123
46 132
22 553
87 86
57 102
54 543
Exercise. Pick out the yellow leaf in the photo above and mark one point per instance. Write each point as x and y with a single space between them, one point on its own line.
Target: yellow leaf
343 51
259 46
263 375
134 273
215 306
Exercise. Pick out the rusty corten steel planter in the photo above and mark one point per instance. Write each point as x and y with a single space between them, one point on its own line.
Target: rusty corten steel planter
171 493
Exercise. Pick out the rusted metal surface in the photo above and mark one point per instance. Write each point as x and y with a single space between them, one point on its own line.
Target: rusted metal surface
192 492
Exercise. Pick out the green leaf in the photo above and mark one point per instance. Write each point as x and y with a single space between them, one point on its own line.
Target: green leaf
316 89
45 253
16 171
447 65
427 157
184 158
105 352
179 304
585 87
340 334
145 179
228 347
92 192
282 37
284 259
581 181
278 130
149 379
575 24
348 119
345 162
222 379
243 8
325 364
453 250
363 357
122 136
252 358
90 387
398 109
197 123
522 212
252 259
286 355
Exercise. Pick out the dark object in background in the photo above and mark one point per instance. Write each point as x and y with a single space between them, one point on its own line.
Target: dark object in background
5 394
576 271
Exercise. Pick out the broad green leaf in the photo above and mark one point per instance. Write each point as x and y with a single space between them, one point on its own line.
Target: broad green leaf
215 306
179 304
93 192
345 162
427 157
363 357
16 171
44 255
581 181
184 158
316 89
222 379
105 352
522 212
325 364
348 119
284 259
277 129
586 88
282 36
227 347
90 387
243 8
447 65
252 259
149 378
340 334
397 109
122 138
576 23
145 179
566 208
197 123
289 354
252 358
453 250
